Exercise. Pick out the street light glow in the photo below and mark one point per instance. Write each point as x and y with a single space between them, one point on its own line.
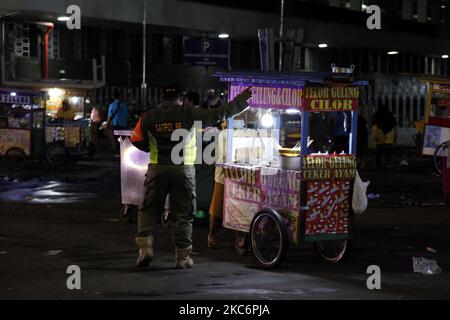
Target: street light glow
445 56
63 18
224 36
392 53
323 45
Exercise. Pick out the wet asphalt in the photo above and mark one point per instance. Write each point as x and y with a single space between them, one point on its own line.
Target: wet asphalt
54 218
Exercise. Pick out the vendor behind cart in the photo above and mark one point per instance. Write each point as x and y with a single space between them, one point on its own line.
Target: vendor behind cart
154 133
118 116
66 112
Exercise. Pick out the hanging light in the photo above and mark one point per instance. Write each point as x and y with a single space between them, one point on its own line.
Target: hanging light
267 120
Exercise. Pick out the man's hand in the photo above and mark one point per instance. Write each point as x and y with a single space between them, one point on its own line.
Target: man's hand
247 94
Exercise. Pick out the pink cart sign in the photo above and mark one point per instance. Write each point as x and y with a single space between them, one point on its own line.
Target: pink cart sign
271 97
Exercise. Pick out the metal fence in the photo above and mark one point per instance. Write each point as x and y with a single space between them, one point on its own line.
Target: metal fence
406 98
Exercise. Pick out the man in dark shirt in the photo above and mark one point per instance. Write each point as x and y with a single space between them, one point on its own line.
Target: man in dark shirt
168 173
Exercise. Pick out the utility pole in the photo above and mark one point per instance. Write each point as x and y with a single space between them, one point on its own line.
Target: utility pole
144 58
280 65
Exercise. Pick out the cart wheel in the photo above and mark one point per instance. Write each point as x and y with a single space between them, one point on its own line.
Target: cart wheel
269 238
56 154
333 251
16 159
439 155
128 213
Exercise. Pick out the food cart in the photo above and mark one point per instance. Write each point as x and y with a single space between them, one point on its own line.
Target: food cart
22 122
27 131
282 195
436 129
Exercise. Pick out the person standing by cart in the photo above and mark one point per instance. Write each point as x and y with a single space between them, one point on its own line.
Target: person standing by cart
66 112
154 133
216 207
118 116
384 133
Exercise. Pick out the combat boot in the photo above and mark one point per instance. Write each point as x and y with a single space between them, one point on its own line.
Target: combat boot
183 260
145 245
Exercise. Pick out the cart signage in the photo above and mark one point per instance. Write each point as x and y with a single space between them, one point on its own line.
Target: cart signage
271 97
434 137
340 167
249 189
315 99
328 203
328 194
14 99
441 87
14 138
322 99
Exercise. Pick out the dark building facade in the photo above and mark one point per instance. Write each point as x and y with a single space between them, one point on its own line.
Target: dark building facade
417 30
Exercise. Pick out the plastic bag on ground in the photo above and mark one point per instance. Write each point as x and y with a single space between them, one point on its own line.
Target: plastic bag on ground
426 267
360 201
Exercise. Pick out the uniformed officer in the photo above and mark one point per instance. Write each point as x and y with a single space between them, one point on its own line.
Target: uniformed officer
153 134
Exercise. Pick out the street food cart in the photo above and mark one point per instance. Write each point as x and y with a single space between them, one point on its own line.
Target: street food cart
281 195
436 129
69 139
22 122
28 133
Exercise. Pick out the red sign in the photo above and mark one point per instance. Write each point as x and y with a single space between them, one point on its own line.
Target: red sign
326 99
441 87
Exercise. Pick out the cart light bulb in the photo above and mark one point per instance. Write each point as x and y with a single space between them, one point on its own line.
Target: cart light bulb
267 120
74 100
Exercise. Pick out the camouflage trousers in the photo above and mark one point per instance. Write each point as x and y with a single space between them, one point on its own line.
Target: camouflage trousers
179 182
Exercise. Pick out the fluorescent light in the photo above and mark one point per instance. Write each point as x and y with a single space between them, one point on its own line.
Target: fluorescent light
56 93
224 36
292 111
267 120
391 53
445 56
323 45
63 18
